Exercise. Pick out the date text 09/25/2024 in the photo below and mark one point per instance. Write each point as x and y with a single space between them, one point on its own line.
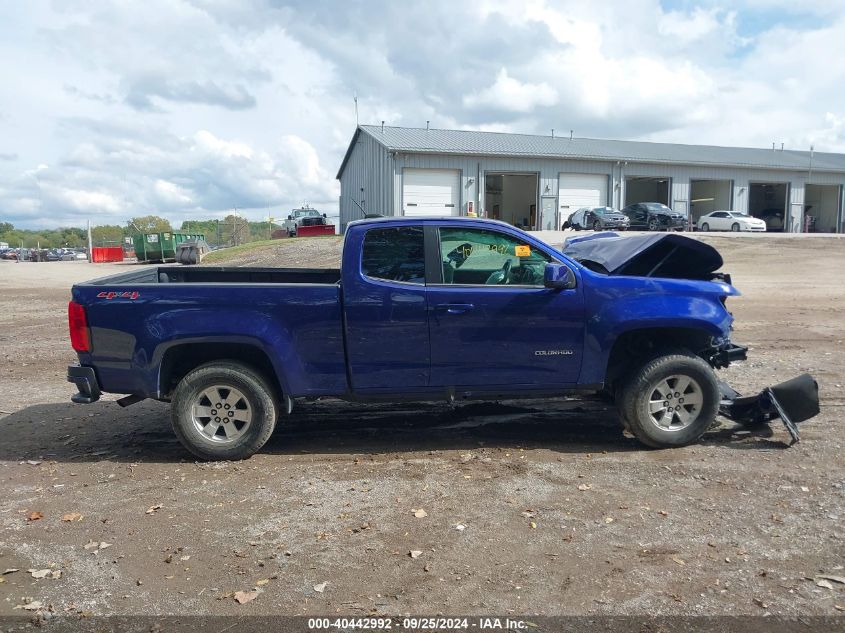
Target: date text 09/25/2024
418 624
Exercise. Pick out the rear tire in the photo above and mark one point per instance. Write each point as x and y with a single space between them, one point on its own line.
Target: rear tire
651 410
705 227
224 410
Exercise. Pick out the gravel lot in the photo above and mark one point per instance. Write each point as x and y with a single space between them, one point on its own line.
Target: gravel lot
527 507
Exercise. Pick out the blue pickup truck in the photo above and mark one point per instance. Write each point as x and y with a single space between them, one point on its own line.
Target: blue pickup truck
424 309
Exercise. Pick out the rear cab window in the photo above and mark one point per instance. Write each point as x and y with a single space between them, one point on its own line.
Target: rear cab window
394 254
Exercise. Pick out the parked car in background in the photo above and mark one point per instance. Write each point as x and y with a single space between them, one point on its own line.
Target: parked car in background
773 219
575 220
601 218
654 216
305 216
596 218
730 221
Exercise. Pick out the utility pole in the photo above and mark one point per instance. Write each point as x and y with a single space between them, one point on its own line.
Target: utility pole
90 243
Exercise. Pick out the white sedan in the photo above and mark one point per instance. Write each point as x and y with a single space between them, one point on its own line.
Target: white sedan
730 221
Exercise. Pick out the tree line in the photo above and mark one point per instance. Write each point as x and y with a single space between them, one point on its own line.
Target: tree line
231 230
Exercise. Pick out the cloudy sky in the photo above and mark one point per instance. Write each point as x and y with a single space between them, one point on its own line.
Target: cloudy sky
190 108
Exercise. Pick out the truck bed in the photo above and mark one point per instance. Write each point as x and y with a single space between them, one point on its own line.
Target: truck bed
220 275
290 316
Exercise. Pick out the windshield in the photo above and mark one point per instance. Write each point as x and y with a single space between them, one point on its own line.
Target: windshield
656 206
603 210
740 215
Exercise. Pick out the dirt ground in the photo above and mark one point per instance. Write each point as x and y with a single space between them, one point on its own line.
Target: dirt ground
510 508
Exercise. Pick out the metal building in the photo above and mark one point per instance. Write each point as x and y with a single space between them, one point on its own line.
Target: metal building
537 181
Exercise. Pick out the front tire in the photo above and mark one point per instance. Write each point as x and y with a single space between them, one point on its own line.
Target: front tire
653 225
735 227
670 401
596 226
224 410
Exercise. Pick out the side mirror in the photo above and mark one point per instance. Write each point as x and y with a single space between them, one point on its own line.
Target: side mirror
324 215
558 276
290 217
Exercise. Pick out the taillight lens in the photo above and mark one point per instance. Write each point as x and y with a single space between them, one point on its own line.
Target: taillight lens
80 338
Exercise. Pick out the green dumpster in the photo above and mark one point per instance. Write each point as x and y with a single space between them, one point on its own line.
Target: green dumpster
160 247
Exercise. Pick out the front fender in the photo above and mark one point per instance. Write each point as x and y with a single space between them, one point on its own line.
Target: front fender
621 305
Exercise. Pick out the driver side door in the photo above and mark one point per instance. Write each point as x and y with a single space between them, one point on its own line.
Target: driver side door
492 323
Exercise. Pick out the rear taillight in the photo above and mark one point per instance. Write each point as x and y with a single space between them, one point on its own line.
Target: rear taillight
80 338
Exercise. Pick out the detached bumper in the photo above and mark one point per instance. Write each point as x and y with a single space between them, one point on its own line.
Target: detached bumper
86 381
792 401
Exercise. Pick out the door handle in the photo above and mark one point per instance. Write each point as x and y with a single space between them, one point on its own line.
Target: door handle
455 308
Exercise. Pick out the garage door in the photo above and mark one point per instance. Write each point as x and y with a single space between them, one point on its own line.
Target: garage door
581 190
430 192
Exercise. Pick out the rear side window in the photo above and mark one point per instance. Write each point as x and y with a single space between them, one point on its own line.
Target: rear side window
394 254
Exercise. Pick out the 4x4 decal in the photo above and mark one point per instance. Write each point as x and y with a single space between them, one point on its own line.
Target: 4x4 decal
134 294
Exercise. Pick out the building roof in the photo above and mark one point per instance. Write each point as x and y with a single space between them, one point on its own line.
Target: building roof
468 142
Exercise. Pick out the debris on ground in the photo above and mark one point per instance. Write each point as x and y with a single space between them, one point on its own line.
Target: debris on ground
242 597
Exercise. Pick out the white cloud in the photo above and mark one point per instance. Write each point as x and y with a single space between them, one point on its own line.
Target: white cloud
510 94
92 202
172 195
689 27
189 108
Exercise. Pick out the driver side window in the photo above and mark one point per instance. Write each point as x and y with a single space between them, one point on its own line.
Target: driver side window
482 257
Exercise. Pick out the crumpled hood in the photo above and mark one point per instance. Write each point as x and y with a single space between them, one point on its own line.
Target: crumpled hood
667 255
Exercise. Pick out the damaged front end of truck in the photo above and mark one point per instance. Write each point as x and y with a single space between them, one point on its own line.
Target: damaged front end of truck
673 256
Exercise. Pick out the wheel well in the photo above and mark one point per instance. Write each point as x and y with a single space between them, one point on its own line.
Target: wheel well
636 345
179 360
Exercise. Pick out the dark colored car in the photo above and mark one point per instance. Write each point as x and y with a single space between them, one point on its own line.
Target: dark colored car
654 216
596 218
601 218
773 219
